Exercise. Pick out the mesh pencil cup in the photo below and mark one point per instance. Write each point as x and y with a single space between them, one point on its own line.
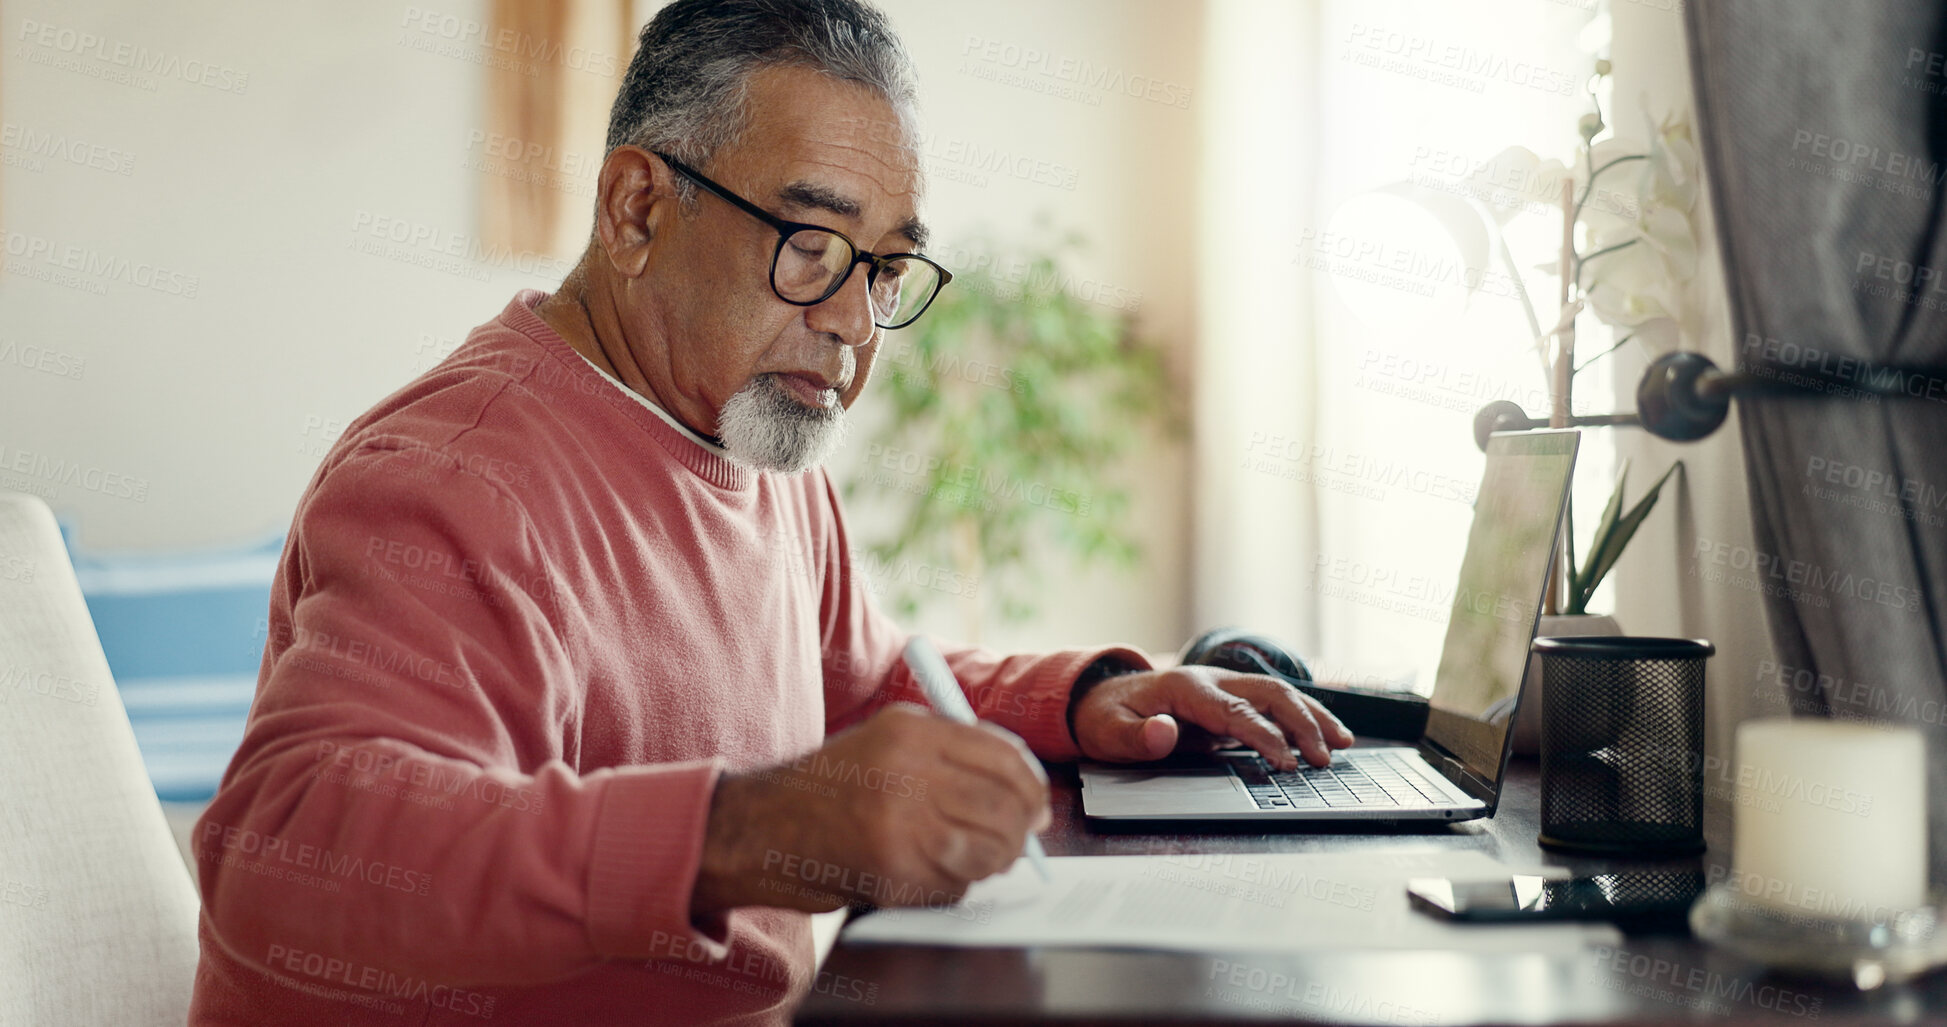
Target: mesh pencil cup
1622 745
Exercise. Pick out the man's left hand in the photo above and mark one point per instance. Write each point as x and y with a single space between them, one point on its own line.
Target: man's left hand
1144 716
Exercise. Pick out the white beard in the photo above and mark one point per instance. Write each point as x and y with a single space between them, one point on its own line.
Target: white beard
763 427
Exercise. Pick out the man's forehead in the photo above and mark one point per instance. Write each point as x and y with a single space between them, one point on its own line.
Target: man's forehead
830 136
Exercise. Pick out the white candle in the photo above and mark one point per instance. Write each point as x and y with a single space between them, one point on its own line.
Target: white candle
1831 817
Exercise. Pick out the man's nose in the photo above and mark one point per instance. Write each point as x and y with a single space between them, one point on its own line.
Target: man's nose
847 313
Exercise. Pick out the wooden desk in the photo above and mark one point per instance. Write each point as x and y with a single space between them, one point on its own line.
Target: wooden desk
1646 980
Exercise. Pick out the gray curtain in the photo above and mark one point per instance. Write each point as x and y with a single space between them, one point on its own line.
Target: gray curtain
1824 129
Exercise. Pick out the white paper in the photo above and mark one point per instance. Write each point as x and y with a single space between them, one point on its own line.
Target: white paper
1222 901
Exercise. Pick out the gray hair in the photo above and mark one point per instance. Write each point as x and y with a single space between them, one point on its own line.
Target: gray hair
686 94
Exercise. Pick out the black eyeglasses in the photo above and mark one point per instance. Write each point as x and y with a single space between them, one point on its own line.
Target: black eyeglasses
812 263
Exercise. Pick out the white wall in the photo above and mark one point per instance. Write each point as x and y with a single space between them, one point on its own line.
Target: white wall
197 411
1658 590
222 402
1031 85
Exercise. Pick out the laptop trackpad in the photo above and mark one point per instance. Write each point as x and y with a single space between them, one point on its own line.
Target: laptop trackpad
1157 791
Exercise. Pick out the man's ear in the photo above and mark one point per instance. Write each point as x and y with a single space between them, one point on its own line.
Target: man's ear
634 195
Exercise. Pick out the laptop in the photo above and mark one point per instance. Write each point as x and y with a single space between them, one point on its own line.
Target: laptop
1456 769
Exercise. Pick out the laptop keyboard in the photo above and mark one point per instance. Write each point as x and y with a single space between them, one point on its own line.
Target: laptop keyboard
1368 779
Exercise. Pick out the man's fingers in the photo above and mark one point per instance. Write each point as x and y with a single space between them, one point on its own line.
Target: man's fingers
1226 712
979 804
1303 721
1126 735
1020 746
1337 735
1158 736
1002 756
998 756
960 855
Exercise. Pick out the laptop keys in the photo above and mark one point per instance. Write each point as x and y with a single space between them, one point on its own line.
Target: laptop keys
1367 779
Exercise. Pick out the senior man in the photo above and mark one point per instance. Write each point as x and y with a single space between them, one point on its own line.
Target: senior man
574 702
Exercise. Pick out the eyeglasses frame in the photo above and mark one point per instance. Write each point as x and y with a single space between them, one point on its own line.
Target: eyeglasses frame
786 229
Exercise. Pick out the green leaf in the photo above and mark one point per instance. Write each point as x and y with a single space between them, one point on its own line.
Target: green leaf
1581 582
1611 548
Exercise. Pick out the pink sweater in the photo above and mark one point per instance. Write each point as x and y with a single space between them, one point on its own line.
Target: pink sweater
520 627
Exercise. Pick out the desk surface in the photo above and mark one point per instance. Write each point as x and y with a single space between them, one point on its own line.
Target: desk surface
1647 980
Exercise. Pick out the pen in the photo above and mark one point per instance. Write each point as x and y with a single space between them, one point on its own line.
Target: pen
943 692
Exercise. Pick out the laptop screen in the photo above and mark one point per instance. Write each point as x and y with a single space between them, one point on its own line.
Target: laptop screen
1517 512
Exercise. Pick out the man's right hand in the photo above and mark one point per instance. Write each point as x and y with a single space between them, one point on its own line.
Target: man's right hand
904 809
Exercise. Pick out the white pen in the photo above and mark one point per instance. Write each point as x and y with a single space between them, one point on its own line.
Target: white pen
943 691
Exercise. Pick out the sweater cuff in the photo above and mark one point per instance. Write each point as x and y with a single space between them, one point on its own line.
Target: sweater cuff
1047 729
642 873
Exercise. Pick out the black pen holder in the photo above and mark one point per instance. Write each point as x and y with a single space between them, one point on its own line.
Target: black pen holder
1622 745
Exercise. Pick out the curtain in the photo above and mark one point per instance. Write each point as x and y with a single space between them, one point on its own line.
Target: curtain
1823 128
1346 334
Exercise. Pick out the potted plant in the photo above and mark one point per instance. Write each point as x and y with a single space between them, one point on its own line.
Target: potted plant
1629 257
1612 535
1017 394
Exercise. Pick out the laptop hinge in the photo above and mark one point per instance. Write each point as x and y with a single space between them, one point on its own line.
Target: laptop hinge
1457 771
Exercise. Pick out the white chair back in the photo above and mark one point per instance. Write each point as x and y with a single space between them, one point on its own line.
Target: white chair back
97 913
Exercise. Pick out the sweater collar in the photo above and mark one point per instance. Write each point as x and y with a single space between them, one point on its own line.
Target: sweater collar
586 379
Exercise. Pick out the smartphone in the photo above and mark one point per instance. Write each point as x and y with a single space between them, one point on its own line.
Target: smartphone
1647 897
